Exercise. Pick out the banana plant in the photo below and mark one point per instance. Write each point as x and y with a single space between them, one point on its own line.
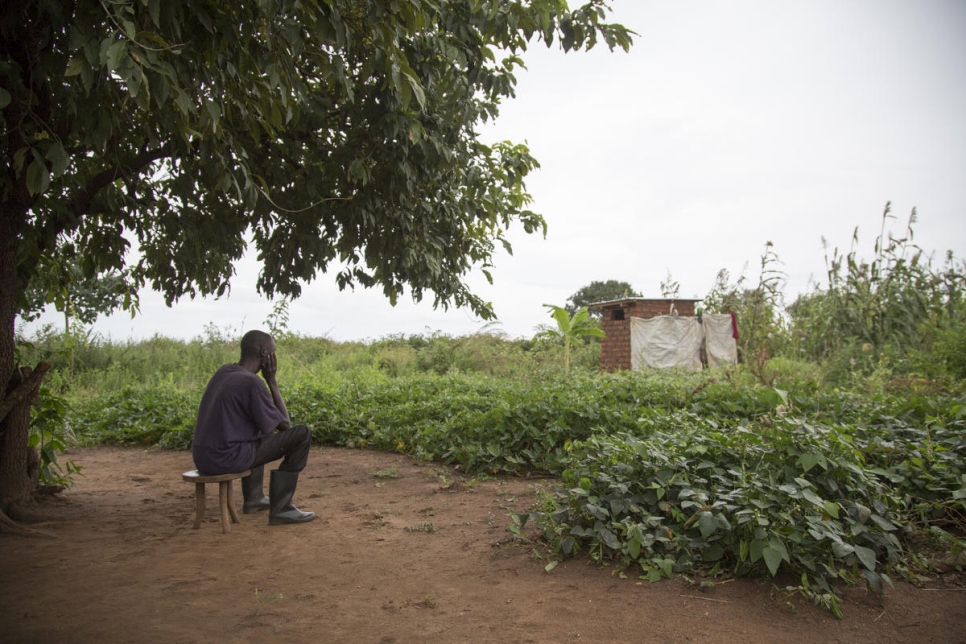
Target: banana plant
570 328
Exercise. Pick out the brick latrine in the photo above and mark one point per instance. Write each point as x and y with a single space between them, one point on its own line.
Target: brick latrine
615 321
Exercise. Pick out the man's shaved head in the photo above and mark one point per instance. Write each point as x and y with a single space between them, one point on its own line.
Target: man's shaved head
253 342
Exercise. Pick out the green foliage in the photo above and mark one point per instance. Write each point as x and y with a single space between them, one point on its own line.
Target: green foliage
277 320
480 424
670 288
67 352
749 491
891 321
701 498
485 352
161 415
663 472
783 371
49 431
893 314
759 309
571 329
338 134
85 363
50 434
63 283
947 353
918 444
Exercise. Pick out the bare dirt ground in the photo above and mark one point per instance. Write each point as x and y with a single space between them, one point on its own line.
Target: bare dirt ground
401 552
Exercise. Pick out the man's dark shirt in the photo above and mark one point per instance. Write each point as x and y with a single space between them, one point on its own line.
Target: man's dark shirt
236 410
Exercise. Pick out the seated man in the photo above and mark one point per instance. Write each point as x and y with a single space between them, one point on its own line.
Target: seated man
236 430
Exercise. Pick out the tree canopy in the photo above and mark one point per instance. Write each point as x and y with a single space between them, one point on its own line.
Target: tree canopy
599 292
331 135
164 139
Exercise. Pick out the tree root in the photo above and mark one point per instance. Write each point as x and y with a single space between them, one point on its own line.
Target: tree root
9 526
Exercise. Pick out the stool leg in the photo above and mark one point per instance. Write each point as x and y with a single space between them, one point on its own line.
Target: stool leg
199 504
231 505
223 489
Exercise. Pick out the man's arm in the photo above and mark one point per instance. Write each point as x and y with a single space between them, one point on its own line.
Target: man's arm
269 369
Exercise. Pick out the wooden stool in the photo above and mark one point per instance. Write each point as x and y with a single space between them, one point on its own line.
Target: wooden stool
228 514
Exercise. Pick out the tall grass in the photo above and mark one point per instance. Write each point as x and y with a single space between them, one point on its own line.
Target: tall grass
87 365
892 303
894 316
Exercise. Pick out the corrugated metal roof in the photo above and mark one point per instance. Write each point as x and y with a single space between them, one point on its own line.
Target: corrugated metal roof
597 305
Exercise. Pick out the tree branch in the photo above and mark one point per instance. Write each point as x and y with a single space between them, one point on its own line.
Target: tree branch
80 204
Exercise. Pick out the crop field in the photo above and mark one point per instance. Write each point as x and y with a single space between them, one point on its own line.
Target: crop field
710 475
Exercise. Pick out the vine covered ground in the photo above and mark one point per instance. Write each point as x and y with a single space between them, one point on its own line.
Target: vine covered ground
709 476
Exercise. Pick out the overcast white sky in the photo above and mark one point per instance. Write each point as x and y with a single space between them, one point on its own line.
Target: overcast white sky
729 124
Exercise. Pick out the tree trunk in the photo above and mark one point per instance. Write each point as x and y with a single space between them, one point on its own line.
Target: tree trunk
15 483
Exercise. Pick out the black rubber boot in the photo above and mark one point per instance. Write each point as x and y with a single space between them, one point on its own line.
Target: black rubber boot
255 499
281 488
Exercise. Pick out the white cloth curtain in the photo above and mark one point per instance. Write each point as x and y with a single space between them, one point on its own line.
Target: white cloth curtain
666 341
720 343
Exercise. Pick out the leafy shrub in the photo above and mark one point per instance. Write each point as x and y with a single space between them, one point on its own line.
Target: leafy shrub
949 351
136 415
918 445
397 361
688 496
788 372
481 424
50 434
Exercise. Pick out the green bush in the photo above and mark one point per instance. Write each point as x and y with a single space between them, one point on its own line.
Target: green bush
788 372
949 351
138 415
694 498
50 434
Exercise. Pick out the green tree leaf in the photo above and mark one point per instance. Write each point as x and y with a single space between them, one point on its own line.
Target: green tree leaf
773 559
866 557
706 523
570 329
38 177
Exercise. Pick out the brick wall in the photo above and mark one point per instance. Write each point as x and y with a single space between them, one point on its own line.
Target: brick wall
615 348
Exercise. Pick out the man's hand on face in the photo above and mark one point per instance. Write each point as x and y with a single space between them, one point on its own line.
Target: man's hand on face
269 365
